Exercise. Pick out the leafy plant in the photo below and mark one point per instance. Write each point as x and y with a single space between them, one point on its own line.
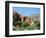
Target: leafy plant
24 25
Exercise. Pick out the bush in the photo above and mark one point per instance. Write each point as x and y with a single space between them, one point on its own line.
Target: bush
24 25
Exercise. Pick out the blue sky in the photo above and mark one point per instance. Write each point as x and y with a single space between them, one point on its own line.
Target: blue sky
26 11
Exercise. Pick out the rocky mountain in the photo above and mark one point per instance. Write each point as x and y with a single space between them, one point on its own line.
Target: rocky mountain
35 17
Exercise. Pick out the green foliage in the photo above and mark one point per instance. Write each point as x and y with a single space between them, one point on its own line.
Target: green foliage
24 25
